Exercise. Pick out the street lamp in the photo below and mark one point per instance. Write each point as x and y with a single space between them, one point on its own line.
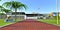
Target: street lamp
57 9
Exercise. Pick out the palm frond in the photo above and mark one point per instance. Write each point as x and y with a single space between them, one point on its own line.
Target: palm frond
14 4
6 10
6 4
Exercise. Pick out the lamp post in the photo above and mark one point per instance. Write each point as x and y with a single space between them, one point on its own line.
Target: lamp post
57 9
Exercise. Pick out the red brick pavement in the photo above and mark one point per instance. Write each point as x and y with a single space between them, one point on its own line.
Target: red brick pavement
30 25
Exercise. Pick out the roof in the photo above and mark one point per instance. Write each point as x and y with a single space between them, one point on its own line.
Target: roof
22 13
30 15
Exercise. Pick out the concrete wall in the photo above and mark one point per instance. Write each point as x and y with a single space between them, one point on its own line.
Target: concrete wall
31 17
18 16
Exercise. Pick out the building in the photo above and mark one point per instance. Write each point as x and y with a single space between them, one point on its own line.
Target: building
55 13
23 15
18 15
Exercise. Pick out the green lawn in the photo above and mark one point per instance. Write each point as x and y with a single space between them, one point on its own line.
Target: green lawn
51 21
2 23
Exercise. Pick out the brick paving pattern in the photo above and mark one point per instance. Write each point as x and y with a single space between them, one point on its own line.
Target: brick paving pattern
30 25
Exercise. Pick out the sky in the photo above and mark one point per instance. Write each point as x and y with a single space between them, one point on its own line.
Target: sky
38 6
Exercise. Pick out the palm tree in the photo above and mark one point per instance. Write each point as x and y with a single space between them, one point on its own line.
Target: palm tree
15 5
6 11
0 0
1 9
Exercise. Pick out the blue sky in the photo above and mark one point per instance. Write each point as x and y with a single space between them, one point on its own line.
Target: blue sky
38 6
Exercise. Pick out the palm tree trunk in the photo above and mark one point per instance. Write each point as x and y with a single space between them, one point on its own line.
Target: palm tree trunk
19 17
15 14
20 14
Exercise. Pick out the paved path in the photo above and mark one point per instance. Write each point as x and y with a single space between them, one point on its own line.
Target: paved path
30 25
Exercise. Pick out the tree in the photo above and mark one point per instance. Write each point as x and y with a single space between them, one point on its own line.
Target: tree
0 0
15 5
6 10
1 9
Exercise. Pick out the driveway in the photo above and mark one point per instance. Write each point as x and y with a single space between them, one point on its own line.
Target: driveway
30 24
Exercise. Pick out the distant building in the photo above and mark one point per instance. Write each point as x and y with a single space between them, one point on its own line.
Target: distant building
18 15
55 13
28 16
33 16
